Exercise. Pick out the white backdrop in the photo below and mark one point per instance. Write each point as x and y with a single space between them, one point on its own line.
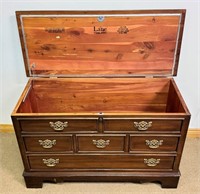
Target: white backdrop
13 78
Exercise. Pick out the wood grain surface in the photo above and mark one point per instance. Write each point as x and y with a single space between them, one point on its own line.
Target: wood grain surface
95 95
99 162
134 43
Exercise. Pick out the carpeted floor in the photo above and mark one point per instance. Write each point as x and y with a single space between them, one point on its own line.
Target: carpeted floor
11 180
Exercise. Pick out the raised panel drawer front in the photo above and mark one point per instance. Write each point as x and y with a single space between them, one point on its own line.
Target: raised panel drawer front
52 162
48 143
101 143
59 125
142 125
153 143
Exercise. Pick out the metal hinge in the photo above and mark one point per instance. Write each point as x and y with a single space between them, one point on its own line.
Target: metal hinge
149 76
31 70
33 65
158 76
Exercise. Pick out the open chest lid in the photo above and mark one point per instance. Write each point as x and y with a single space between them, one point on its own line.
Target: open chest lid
101 43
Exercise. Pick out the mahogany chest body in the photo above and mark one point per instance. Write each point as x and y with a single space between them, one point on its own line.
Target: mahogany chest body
101 104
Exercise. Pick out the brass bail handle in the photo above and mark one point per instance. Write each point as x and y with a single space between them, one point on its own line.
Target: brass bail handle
154 143
151 162
101 143
50 162
142 125
47 143
58 125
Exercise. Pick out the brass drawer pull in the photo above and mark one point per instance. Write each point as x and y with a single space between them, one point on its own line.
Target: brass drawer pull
101 143
58 125
154 143
151 162
47 143
142 125
50 162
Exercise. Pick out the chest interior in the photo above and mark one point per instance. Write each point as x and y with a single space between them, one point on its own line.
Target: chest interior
101 95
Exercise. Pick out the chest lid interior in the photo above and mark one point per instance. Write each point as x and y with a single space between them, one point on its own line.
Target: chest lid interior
101 43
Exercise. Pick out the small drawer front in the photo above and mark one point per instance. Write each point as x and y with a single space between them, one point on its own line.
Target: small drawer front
141 125
48 143
153 143
59 125
52 162
101 143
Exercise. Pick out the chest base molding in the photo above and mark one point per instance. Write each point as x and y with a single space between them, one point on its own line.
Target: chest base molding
166 179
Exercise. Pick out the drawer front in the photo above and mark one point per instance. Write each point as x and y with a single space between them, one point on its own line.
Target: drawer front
59 125
141 125
153 143
48 143
52 162
101 143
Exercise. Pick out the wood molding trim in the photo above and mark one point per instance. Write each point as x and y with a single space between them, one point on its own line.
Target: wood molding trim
7 128
193 133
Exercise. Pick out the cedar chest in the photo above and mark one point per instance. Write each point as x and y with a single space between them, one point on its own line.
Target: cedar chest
101 103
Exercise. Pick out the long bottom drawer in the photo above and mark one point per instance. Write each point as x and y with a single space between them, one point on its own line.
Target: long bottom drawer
100 162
